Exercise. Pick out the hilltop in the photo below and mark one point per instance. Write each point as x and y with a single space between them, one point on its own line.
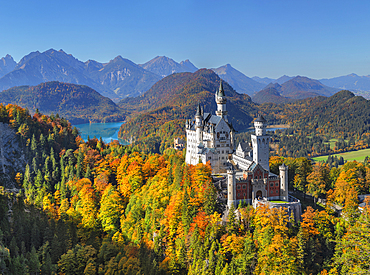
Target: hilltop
77 103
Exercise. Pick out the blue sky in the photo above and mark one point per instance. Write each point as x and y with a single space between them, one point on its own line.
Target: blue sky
317 39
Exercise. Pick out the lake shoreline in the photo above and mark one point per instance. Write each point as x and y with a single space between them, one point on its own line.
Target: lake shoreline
107 131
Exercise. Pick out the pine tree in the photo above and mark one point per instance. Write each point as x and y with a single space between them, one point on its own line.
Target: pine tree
33 261
232 226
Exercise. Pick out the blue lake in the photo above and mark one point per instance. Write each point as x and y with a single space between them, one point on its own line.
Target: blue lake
252 129
107 131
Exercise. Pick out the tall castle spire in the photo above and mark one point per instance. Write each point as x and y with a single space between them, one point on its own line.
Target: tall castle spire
221 102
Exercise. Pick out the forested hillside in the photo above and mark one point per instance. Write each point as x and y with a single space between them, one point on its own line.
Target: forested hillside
160 114
77 103
314 121
94 208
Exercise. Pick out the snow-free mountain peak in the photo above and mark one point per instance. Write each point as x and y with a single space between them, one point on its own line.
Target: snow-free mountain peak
240 82
7 64
164 66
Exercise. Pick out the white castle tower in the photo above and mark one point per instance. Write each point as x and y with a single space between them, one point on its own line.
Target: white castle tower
260 143
283 182
231 187
221 102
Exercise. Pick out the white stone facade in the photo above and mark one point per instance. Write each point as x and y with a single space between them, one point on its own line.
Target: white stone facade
210 137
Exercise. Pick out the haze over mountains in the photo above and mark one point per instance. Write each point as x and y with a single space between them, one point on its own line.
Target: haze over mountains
120 78
294 89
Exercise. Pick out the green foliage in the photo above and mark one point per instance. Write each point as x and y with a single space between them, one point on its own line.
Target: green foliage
314 121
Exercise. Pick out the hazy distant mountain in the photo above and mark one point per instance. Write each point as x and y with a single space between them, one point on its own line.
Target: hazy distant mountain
267 80
164 66
7 64
77 103
298 87
301 87
122 76
240 82
264 80
349 82
283 79
270 94
50 65
92 66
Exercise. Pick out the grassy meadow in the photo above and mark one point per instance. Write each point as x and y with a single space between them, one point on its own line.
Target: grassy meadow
348 156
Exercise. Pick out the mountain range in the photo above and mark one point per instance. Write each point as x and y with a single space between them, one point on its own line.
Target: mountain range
164 66
120 78
351 82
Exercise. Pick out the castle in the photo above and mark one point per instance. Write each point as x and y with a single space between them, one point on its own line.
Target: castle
210 137
248 177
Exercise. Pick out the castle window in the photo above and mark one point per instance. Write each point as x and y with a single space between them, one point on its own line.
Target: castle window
271 191
277 184
238 187
244 187
272 184
218 145
244 195
276 191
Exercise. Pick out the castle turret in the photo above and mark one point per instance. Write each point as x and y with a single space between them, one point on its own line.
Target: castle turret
260 143
231 187
221 102
260 125
283 182
199 124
